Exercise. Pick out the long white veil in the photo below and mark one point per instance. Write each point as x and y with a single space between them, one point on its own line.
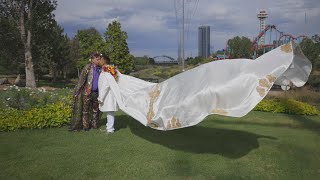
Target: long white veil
226 87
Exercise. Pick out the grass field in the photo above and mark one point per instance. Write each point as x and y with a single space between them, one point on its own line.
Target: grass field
257 146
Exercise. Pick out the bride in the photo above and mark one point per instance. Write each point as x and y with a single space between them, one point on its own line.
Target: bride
225 87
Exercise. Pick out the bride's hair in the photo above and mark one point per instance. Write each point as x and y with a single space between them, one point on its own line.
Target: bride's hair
106 57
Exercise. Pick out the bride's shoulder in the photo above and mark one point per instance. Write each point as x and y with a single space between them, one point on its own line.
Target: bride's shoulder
111 71
108 68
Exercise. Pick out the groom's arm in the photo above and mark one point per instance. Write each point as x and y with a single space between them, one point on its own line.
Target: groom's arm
82 80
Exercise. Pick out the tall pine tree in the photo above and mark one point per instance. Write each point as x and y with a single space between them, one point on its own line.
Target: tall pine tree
90 41
117 47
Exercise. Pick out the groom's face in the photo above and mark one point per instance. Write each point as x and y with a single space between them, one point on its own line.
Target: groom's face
96 60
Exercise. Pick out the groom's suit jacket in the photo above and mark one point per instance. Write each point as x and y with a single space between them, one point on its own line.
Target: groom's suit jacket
84 85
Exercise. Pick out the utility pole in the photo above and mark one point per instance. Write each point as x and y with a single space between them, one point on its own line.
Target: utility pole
305 23
182 35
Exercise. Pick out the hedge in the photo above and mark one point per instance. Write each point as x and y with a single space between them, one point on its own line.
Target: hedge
52 115
288 106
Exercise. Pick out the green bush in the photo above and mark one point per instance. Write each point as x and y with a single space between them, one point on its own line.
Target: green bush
195 61
51 115
157 73
288 106
173 72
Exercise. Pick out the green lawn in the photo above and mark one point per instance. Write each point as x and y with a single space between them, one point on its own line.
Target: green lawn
257 146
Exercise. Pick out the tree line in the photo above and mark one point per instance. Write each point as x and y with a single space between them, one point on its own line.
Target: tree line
33 43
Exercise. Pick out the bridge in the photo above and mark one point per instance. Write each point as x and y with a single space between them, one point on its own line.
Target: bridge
164 59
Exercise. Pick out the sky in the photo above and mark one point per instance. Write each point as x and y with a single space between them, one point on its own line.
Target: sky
152 26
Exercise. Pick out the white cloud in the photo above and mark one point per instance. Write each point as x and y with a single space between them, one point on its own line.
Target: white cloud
146 22
151 23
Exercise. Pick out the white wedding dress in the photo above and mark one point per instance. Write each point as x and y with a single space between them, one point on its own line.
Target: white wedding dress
226 87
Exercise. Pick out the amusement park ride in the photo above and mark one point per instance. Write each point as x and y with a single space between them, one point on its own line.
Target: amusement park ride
268 38
276 38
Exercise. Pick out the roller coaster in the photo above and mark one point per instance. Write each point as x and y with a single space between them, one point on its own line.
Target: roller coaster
276 38
274 32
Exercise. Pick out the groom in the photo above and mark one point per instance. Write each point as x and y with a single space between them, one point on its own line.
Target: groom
85 113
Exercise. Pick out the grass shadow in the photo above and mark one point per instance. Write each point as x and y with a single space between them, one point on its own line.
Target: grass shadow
228 143
303 123
307 123
286 125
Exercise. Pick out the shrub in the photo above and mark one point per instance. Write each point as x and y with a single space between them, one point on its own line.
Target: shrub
157 73
300 108
51 115
288 106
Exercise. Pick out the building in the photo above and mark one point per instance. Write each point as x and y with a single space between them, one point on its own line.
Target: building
204 41
262 16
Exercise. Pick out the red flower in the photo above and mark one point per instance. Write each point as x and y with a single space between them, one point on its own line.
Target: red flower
112 70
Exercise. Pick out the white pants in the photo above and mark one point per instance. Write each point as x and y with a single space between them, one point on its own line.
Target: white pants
110 121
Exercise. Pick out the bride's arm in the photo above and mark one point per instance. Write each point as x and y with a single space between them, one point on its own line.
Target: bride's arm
103 87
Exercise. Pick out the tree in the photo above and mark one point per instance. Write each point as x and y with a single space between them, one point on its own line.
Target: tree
11 47
73 58
90 41
145 60
50 49
151 60
316 38
59 52
240 47
26 16
197 60
311 49
117 47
